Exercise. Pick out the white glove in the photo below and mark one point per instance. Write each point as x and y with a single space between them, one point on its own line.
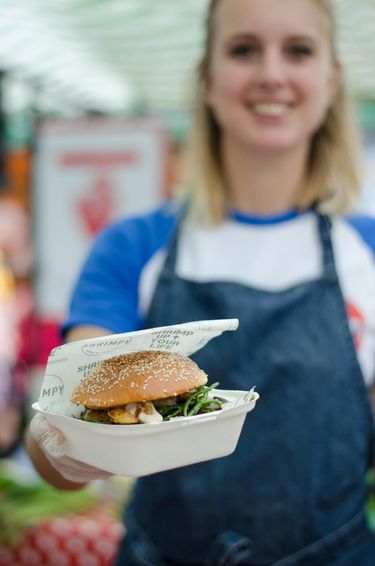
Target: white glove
54 445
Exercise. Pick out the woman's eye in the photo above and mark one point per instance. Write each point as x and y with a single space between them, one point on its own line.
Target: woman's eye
300 51
242 50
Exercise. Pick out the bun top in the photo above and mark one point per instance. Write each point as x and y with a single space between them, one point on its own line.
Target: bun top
138 376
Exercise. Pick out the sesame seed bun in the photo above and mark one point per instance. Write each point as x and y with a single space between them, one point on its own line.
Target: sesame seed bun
138 376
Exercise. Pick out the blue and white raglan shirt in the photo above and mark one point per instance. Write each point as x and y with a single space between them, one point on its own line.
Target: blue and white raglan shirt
117 281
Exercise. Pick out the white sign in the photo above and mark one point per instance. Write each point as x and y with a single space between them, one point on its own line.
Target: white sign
88 172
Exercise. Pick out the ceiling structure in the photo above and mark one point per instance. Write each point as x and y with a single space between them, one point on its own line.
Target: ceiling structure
117 55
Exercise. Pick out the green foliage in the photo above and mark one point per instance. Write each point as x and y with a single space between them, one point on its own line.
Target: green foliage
193 403
371 501
24 505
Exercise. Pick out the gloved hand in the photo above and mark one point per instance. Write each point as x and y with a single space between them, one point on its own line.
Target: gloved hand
54 445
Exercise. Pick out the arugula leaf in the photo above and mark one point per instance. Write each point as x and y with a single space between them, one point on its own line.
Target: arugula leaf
192 403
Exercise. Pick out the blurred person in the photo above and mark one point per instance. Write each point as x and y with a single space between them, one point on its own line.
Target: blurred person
17 304
263 235
16 244
15 237
11 389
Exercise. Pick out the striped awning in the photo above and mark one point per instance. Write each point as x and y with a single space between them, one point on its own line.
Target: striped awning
117 55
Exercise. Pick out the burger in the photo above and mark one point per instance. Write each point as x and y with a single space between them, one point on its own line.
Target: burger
144 387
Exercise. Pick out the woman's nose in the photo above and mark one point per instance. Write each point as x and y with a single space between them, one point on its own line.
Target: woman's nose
271 71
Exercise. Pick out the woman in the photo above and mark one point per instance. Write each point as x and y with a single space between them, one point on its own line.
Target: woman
273 154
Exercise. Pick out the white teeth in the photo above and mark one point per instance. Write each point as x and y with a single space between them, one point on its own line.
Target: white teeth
270 109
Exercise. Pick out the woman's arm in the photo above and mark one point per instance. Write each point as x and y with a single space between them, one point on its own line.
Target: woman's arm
39 459
45 468
84 332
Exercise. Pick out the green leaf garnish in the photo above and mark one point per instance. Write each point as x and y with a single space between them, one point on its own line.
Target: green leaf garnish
192 403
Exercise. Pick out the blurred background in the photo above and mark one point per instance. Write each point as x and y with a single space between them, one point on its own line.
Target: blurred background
95 99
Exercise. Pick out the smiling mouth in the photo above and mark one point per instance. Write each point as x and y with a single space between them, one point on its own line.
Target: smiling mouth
270 109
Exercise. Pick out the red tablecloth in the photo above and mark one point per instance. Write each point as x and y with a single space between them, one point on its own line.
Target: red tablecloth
83 540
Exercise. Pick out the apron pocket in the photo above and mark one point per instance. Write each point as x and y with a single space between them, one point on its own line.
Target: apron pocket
230 549
332 548
137 549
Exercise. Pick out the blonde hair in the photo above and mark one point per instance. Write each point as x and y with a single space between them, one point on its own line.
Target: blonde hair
333 171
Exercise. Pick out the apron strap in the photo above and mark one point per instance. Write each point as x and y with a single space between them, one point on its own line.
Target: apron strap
324 227
171 255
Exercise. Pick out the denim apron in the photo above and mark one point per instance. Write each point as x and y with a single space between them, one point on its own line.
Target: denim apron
293 492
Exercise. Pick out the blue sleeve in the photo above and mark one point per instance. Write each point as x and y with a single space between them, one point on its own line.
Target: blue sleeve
365 226
106 293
